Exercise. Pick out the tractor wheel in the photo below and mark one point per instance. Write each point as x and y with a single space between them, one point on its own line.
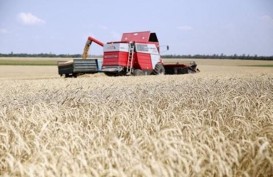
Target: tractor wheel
159 69
138 72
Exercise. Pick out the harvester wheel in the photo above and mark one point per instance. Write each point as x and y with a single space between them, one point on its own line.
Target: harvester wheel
138 72
159 69
110 74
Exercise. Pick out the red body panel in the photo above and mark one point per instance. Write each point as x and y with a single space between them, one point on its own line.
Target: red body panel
115 58
143 61
136 36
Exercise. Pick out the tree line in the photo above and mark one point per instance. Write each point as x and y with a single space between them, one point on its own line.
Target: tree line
198 56
45 55
222 56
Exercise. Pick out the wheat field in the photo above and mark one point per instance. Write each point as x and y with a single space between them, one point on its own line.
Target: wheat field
205 124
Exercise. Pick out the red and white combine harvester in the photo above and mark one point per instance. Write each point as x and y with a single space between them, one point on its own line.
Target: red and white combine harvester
137 53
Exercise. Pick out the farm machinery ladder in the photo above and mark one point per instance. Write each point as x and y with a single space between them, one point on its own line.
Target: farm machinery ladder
130 58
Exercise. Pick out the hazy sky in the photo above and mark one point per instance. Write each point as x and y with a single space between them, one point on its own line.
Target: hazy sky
187 26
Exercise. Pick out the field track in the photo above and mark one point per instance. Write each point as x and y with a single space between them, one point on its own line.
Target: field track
207 66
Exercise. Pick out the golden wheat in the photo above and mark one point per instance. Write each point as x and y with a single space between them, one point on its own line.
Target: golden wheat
187 125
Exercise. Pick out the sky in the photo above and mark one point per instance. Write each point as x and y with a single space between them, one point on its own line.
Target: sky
188 26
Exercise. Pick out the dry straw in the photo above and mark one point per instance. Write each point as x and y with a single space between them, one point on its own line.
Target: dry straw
189 125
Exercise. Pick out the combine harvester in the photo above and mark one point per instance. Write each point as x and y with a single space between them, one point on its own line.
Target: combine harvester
137 53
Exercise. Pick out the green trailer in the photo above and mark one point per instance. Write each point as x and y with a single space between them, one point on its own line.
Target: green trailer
76 67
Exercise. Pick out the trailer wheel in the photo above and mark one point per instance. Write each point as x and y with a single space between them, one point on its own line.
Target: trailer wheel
138 72
75 75
159 69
